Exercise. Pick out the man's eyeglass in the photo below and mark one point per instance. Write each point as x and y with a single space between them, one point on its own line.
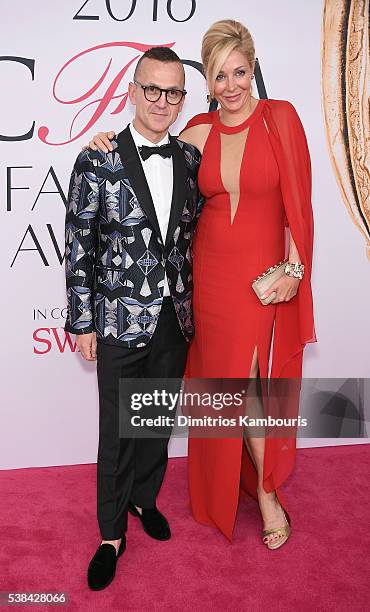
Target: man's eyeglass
152 93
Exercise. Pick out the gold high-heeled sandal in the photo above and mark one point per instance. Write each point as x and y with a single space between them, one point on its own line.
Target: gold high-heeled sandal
284 533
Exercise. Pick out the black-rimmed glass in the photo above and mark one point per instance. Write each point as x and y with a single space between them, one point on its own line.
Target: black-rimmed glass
152 93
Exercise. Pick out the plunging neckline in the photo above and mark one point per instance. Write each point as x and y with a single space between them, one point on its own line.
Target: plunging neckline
228 131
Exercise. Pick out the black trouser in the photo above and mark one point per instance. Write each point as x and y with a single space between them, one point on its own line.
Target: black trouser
133 469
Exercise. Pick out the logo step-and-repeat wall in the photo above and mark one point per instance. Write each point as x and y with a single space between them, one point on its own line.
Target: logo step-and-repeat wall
65 70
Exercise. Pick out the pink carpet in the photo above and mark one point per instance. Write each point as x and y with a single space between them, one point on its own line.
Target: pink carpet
49 532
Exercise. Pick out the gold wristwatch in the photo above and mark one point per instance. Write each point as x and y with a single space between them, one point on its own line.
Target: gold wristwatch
294 269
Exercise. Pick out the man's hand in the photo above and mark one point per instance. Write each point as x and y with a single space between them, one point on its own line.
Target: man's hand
86 344
101 141
286 288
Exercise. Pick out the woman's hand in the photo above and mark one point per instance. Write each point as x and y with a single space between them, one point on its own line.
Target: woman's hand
286 288
101 141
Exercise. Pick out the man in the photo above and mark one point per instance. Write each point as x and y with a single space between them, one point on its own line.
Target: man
130 220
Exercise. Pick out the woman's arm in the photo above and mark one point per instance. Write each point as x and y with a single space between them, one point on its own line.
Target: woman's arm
293 251
101 141
196 135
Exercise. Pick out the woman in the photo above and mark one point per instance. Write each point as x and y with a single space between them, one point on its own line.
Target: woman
255 174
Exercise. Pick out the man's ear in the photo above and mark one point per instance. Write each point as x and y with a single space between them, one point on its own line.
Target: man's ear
181 104
132 92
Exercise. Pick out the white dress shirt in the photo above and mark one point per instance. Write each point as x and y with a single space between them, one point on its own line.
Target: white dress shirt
159 175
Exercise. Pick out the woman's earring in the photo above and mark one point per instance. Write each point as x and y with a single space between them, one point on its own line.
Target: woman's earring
209 99
252 77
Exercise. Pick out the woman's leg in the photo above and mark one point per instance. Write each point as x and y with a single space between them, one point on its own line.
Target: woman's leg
271 511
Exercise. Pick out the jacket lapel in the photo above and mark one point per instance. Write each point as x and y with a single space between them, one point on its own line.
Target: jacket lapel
135 173
179 188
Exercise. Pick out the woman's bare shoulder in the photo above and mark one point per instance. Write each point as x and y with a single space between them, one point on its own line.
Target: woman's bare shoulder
197 130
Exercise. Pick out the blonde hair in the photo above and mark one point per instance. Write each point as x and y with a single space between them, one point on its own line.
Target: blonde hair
219 41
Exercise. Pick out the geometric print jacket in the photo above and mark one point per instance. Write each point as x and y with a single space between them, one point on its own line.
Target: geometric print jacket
114 253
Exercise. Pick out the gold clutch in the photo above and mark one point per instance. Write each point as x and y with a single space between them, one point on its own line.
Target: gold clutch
262 283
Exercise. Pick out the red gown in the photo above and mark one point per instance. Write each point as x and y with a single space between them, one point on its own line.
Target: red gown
256 178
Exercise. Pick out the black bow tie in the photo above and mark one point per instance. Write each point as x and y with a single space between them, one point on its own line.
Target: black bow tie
164 151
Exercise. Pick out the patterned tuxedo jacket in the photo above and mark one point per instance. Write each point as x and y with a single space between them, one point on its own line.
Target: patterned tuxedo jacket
115 256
